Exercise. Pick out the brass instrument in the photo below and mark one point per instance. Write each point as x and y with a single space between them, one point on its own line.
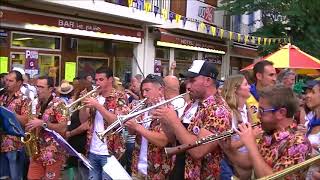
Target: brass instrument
117 125
281 174
31 139
76 105
211 138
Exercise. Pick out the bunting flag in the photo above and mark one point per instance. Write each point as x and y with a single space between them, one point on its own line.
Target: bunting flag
246 38
155 10
197 25
230 35
178 18
164 14
130 3
253 40
239 37
221 33
213 30
184 21
147 6
202 26
208 28
140 4
172 15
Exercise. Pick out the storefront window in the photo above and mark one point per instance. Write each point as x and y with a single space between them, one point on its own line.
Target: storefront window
216 59
28 40
92 47
183 60
123 61
162 57
89 65
48 65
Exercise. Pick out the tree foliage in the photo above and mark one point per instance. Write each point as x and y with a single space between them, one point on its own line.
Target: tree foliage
297 19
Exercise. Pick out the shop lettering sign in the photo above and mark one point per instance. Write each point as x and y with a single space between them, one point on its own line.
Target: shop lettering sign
200 11
3 33
78 25
32 57
190 42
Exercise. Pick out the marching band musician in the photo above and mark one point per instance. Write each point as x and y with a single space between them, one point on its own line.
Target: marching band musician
149 159
48 163
282 144
12 151
109 103
212 116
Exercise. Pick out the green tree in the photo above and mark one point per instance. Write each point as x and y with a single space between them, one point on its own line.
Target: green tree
297 19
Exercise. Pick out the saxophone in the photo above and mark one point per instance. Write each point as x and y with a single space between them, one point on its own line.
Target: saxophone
31 139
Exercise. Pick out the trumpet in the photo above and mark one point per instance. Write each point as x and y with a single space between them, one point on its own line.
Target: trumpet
211 138
76 105
117 125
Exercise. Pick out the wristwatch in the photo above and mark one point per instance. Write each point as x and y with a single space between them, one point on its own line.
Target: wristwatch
44 125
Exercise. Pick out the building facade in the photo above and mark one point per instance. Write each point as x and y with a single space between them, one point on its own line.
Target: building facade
66 39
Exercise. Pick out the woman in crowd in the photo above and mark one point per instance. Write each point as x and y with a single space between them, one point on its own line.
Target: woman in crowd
236 91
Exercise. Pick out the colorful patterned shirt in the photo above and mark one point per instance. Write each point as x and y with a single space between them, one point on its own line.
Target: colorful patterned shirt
285 148
50 150
116 102
18 104
159 165
214 115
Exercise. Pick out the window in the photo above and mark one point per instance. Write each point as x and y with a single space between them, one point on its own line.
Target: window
162 53
91 47
29 40
48 65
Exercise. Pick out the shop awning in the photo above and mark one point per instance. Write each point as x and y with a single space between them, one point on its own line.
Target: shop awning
192 48
31 20
180 41
81 32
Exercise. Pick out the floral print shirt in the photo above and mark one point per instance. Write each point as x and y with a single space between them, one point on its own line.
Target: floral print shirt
214 115
117 103
18 104
50 150
285 148
159 165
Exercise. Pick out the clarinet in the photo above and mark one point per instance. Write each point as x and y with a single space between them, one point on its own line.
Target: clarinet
209 139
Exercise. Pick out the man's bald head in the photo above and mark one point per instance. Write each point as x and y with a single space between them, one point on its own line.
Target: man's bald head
171 86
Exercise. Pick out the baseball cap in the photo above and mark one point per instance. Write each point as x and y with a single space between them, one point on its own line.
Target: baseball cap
201 67
311 83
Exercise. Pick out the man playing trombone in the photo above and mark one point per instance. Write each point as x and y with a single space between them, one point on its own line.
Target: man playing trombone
212 116
149 159
282 144
108 104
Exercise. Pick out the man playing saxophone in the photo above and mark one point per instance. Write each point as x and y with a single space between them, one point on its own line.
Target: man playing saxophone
12 152
282 144
47 165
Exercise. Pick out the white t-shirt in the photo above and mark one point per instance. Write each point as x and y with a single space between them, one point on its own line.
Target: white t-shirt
143 156
190 113
97 146
244 116
179 104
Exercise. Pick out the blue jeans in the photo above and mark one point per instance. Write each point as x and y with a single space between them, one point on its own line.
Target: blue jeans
13 162
226 169
98 161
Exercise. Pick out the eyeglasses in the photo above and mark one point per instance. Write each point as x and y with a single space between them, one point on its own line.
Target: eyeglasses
262 111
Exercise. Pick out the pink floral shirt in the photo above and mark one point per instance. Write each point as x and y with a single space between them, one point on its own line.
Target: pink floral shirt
117 103
18 104
285 148
214 115
50 150
159 165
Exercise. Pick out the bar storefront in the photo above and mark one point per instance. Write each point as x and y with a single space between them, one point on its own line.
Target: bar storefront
64 47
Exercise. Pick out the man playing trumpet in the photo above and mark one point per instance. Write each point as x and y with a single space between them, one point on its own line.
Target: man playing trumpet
212 116
108 104
149 159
